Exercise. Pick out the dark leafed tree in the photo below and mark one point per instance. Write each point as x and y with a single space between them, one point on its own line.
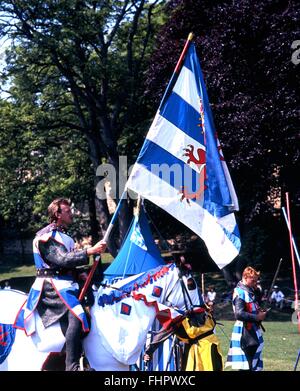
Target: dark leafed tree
245 49
79 65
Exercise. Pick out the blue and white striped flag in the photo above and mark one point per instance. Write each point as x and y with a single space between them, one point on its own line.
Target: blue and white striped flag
181 167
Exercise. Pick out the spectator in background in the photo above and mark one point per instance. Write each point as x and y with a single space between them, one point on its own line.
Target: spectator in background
277 297
265 295
210 296
6 285
227 296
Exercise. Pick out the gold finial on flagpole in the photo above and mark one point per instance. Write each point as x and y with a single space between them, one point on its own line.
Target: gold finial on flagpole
191 36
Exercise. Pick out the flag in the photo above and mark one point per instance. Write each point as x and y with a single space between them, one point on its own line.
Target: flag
138 253
181 167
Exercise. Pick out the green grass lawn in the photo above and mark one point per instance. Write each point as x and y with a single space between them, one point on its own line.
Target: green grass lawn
282 342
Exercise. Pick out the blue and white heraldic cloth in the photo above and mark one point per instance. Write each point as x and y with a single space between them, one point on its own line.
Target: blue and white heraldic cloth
54 291
237 358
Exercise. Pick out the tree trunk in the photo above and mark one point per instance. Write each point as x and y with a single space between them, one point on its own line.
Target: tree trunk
95 229
125 217
99 212
240 265
229 274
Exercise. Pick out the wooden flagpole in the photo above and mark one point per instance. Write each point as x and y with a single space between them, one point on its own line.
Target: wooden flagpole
293 259
176 70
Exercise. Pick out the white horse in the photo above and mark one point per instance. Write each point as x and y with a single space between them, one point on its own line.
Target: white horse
120 319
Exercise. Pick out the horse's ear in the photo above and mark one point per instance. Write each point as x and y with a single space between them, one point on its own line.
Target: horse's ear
181 261
178 257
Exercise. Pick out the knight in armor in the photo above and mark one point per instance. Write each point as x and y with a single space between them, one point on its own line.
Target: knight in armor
54 294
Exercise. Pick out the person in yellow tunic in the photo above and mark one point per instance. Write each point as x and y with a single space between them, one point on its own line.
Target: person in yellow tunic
202 350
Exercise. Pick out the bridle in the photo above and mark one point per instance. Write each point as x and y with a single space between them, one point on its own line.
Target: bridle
186 296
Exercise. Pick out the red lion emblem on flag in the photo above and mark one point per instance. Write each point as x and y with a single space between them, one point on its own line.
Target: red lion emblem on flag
199 159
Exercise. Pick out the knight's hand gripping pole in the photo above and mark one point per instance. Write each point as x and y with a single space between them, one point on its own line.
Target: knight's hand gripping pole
97 258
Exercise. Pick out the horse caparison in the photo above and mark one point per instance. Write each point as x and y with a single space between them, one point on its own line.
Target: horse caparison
120 320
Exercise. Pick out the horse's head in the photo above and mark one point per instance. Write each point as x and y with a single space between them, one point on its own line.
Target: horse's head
182 293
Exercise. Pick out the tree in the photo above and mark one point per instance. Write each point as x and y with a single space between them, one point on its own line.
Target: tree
80 65
31 173
245 53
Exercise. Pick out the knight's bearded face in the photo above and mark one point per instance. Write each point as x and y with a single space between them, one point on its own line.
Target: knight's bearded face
65 216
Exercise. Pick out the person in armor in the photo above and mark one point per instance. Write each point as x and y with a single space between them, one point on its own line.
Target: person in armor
54 294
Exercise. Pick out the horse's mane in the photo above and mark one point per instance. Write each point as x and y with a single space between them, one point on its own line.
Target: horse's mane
141 281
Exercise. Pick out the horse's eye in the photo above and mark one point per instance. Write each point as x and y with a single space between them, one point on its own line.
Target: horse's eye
191 284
